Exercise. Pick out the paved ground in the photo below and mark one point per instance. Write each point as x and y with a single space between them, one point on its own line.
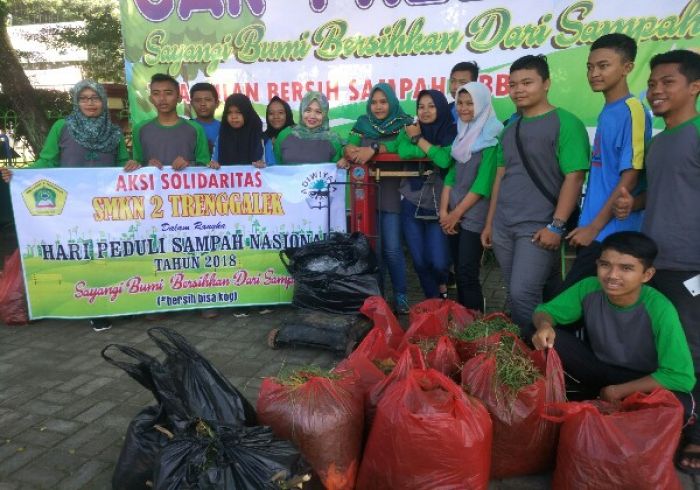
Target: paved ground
64 410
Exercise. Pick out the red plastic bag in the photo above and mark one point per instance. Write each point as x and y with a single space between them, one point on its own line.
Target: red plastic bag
411 358
366 361
427 434
524 442
324 418
13 304
440 354
426 326
616 448
441 315
377 310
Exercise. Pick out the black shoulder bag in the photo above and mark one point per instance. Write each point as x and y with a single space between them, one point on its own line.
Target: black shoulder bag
572 222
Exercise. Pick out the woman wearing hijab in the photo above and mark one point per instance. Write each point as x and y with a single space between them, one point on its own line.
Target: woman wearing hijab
310 141
464 203
86 139
240 135
431 137
278 116
381 124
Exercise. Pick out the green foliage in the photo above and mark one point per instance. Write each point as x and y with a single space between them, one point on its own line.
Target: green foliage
100 37
47 11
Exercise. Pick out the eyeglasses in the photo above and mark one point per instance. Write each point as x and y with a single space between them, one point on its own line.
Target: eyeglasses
85 99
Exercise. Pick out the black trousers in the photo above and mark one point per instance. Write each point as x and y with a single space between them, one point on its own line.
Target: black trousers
592 374
670 283
466 250
584 265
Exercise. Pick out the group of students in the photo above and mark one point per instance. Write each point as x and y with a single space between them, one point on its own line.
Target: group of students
515 189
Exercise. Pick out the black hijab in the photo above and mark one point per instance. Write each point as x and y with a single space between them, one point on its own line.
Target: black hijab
271 132
243 145
443 130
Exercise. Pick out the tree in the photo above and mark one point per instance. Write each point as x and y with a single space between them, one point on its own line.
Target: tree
18 89
100 36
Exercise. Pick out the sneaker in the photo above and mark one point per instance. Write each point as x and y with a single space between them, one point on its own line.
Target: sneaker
401 304
100 324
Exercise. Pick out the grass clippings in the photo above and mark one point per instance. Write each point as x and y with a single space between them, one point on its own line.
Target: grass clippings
481 328
514 369
296 377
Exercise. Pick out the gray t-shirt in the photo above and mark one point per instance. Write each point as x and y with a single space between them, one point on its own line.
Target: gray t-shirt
464 178
423 191
297 150
556 143
165 143
72 154
672 215
621 337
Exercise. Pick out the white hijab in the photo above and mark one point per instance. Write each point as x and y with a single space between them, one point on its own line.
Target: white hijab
482 131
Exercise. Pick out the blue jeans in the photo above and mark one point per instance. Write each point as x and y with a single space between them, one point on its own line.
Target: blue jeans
428 247
392 251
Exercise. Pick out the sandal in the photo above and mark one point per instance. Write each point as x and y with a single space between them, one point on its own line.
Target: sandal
681 455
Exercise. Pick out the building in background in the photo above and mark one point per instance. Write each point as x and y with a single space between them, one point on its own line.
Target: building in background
48 67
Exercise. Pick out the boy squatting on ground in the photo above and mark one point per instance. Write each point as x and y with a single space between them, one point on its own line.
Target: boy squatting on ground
633 337
672 199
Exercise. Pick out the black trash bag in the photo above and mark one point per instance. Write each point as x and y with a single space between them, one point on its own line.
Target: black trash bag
194 387
340 333
341 253
142 441
141 447
334 275
207 455
340 295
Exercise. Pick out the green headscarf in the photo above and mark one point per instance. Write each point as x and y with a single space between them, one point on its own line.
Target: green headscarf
322 132
92 133
369 126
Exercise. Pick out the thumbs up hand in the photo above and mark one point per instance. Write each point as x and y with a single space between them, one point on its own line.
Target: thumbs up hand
622 207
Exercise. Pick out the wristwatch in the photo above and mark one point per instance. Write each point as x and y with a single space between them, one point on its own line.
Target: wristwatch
414 139
558 223
375 147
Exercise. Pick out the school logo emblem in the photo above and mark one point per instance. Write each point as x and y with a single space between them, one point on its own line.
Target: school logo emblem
44 198
316 188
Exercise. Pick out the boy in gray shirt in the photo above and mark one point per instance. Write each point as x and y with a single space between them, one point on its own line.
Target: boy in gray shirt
672 200
168 139
527 219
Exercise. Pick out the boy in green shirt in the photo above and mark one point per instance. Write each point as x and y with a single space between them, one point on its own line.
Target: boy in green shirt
633 337
671 201
168 139
542 159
